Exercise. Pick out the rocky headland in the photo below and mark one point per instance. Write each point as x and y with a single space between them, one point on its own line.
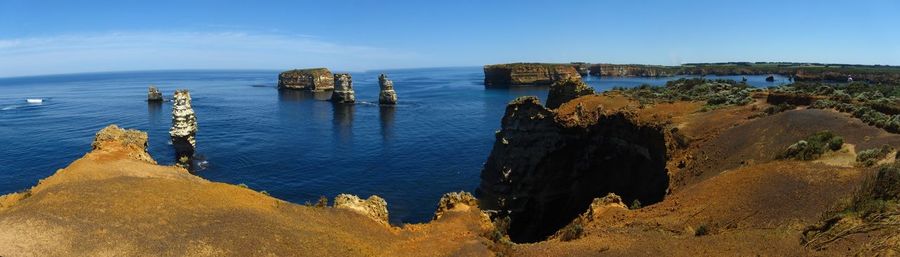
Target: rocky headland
518 74
116 201
315 79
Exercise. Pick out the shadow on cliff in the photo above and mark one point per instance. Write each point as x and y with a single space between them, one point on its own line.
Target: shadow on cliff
542 174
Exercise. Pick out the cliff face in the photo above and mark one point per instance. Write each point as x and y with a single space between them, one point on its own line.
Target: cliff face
630 70
543 172
316 79
516 74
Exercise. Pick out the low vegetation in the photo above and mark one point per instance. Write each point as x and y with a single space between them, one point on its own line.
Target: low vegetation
715 93
813 146
875 206
872 156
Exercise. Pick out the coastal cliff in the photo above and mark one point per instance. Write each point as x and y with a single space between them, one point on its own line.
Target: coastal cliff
116 201
316 79
517 74
632 70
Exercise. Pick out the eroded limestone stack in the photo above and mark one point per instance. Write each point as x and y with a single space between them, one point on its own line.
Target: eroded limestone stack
375 207
184 127
153 95
388 96
343 89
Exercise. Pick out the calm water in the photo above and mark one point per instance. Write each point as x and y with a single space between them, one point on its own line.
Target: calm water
291 144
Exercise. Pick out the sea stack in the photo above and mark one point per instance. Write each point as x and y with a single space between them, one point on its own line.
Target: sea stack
343 89
153 95
184 128
388 96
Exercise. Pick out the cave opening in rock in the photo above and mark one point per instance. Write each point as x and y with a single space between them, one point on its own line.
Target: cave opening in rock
551 175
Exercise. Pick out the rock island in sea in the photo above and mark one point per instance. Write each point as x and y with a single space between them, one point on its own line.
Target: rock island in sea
315 79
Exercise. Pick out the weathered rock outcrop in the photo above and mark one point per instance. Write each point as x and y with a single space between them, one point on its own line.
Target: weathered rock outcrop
374 207
153 95
454 201
566 90
516 74
316 79
184 128
387 96
343 89
543 173
133 141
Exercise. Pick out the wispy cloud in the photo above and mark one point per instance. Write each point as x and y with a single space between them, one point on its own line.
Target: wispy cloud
186 50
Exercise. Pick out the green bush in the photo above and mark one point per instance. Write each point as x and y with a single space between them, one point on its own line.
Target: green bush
870 157
636 204
877 194
813 146
773 109
571 232
701 231
323 202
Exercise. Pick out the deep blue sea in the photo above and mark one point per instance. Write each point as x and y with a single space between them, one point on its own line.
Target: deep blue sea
291 144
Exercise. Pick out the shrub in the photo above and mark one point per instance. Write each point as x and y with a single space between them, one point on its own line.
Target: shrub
870 157
701 231
323 202
571 232
636 204
877 193
773 109
813 146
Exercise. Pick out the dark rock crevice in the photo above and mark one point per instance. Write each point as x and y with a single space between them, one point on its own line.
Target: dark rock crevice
543 173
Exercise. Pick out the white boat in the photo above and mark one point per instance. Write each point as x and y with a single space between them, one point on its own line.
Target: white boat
34 100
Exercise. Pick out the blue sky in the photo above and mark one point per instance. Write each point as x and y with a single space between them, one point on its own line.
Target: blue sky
48 37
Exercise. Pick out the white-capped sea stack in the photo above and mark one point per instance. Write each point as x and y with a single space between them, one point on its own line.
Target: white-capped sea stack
184 127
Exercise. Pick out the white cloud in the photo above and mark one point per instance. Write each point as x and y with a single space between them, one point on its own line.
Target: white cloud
114 51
